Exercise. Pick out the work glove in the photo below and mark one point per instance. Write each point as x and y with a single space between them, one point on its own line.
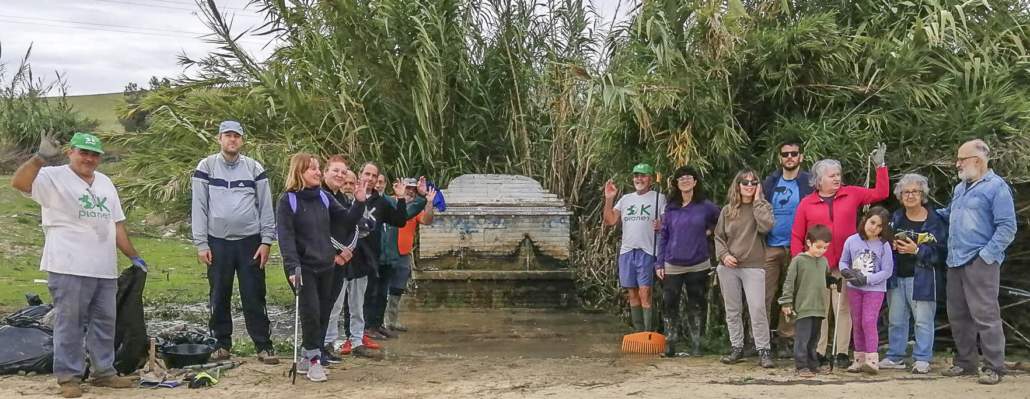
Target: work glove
138 262
855 277
879 154
831 281
49 149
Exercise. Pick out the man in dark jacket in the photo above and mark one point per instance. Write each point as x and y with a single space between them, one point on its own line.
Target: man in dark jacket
784 188
396 215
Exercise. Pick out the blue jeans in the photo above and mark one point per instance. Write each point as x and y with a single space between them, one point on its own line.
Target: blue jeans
901 310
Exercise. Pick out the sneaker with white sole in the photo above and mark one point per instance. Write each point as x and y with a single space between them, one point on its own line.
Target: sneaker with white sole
316 372
303 365
892 364
919 367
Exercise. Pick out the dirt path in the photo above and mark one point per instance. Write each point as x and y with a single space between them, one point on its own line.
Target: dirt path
517 355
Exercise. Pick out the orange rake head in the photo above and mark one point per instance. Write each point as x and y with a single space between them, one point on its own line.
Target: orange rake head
643 342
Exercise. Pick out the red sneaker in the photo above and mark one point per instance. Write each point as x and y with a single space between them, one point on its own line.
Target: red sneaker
369 343
345 349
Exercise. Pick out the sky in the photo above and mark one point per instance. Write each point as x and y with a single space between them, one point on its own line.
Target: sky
99 46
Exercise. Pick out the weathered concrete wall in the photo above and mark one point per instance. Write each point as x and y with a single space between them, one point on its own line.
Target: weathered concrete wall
494 289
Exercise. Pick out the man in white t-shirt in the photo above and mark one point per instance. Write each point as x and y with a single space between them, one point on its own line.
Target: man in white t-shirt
639 213
83 223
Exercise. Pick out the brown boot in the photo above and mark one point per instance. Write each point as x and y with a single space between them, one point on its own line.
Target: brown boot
114 381
70 389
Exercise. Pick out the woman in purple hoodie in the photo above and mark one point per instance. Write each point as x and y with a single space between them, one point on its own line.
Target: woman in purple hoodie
683 256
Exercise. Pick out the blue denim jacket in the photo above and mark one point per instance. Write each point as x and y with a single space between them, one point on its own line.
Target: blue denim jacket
931 255
982 221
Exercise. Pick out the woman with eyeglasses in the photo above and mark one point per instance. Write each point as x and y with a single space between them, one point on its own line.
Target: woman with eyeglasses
836 205
740 248
919 243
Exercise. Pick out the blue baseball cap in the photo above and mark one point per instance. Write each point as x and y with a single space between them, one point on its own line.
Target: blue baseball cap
230 126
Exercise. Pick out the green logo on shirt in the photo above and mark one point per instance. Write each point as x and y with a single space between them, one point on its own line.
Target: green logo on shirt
93 207
645 210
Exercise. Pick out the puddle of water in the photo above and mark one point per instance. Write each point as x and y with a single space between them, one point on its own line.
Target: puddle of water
507 333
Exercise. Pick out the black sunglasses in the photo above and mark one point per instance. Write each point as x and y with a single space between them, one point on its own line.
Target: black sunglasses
790 154
749 182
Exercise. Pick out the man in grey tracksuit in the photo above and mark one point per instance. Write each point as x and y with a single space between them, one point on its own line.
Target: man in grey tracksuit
233 228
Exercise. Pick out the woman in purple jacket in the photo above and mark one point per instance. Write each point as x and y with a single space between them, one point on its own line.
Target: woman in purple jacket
683 256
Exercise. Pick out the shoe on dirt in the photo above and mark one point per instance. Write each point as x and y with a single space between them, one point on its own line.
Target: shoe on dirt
220 355
374 333
804 373
397 327
328 357
956 371
303 365
114 381
842 360
266 357
386 332
367 341
919 367
70 389
988 376
345 348
735 355
316 372
365 352
892 365
765 359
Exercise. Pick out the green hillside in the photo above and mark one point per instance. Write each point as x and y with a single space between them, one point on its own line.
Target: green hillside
99 107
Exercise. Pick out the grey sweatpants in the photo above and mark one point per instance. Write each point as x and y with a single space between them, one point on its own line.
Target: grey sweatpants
353 293
84 310
749 282
973 310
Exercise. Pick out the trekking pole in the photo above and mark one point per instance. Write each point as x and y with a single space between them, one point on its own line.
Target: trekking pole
654 245
296 324
836 320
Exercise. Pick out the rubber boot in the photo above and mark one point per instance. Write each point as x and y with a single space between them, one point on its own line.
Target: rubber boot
393 309
696 327
671 336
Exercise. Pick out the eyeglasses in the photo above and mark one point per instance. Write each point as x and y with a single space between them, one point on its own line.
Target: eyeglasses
963 159
790 154
749 182
685 179
911 193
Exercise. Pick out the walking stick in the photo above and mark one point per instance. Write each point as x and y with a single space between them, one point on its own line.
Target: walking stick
836 319
654 245
296 325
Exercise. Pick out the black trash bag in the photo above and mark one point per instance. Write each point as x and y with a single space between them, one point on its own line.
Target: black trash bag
29 349
31 316
130 334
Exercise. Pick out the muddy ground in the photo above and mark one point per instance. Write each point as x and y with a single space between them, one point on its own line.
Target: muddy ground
505 354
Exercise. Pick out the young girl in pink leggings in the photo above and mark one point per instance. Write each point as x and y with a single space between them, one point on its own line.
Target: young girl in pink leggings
866 263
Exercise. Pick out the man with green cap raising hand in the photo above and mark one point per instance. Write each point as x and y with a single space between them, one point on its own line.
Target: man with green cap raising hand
83 223
639 213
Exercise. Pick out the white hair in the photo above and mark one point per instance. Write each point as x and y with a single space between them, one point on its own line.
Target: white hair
983 151
820 168
909 179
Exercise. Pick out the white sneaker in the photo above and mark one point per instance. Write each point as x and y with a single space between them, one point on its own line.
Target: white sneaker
316 372
920 367
890 364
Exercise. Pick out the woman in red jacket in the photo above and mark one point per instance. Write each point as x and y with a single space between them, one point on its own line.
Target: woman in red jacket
836 205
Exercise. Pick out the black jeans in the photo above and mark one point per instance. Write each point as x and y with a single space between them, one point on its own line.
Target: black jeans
672 289
316 304
806 340
376 296
229 258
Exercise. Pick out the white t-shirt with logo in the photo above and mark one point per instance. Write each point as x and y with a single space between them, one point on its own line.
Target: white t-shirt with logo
638 213
78 222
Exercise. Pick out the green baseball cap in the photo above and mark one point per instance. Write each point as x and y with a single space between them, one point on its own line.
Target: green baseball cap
643 169
86 141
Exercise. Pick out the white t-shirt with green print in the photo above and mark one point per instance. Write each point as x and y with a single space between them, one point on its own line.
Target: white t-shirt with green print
637 214
78 222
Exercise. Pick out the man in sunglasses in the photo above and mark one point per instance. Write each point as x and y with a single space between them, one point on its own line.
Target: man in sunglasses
784 189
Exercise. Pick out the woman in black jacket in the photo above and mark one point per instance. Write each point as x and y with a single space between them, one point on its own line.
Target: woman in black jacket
311 225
